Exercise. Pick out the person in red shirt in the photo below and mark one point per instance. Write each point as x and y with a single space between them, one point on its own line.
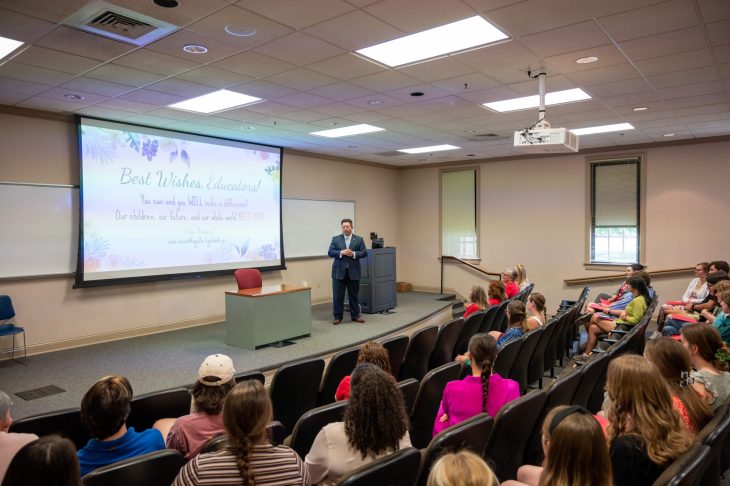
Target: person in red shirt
477 301
495 293
371 352
509 275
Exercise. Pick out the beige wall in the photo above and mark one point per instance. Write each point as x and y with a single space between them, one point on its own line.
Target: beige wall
43 150
532 211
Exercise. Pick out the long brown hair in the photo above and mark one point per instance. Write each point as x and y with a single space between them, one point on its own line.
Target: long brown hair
483 351
496 290
247 411
577 452
642 406
517 314
478 296
672 360
708 342
375 353
375 417
538 300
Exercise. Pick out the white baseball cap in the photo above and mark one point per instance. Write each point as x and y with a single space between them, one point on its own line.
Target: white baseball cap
217 366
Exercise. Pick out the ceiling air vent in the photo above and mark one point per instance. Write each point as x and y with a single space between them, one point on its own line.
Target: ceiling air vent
119 23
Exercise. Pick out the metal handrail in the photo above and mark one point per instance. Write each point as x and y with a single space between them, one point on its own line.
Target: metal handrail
463 262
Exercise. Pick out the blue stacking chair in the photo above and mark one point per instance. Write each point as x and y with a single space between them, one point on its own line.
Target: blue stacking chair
9 329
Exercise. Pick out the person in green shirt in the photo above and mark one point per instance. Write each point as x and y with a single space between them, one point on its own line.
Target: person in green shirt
722 320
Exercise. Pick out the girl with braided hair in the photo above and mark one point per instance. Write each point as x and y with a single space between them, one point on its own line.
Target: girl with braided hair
249 459
482 391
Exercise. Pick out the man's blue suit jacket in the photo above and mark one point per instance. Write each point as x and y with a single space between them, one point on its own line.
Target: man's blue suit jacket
346 265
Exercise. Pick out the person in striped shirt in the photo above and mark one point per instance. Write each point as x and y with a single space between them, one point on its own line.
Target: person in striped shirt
249 459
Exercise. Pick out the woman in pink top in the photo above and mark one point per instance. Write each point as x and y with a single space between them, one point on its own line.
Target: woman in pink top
483 391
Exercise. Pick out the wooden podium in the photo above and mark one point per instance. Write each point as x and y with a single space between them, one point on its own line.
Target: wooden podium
266 315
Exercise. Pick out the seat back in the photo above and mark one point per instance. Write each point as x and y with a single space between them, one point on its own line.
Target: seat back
7 311
294 390
396 469
309 425
150 407
512 428
593 375
428 400
418 353
248 278
470 434
506 357
536 366
488 320
396 347
157 468
409 389
276 432
525 293
66 423
215 444
250 375
500 320
339 366
687 469
559 393
714 435
443 348
470 327
519 369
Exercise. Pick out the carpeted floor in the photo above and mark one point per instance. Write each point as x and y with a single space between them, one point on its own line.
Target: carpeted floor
169 359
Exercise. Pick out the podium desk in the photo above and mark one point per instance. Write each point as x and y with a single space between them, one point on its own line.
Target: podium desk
265 315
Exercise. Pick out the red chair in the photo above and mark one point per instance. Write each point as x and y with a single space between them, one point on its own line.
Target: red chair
248 278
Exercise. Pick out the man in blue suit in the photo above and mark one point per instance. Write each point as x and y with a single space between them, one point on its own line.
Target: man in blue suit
346 249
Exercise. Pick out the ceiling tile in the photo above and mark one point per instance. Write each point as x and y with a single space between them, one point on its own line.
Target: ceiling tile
34 74
562 40
101 112
156 62
173 45
214 26
253 65
436 70
51 10
262 89
301 79
127 105
152 98
713 10
413 17
83 44
676 62
636 98
682 78
465 83
654 19
218 78
354 30
492 94
43 102
56 60
124 75
489 59
609 74
601 8
304 116
518 20
298 13
617 88
22 87
302 100
701 110
178 87
428 91
665 43
607 55
299 49
23 27
693 89
385 81
719 32
346 67
338 109
375 102
707 99
342 91
95 86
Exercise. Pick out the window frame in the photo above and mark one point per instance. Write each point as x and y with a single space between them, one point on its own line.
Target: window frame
476 170
591 164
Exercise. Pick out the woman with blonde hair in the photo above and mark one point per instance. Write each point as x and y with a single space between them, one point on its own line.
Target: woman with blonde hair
575 450
710 359
536 307
249 459
645 433
521 280
371 352
463 468
477 301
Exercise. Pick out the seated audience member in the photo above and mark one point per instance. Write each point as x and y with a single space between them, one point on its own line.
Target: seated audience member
575 451
536 307
189 433
371 352
375 425
495 293
463 468
629 272
672 360
49 461
249 457
477 301
645 433
695 293
698 312
517 323
481 391
10 442
633 313
521 279
709 357
104 411
509 275
721 321
719 266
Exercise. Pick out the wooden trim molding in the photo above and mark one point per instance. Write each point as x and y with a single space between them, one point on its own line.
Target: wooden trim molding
671 272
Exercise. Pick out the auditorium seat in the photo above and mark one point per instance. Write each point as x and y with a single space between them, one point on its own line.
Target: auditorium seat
309 425
489 319
418 353
157 468
150 407
250 375
593 375
500 320
513 425
66 423
443 348
428 400
409 389
215 444
687 469
471 434
276 432
248 278
396 347
340 366
506 357
525 293
397 469
470 327
714 435
536 366
519 369
294 390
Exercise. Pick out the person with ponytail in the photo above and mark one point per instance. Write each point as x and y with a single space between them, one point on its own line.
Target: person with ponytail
481 391
536 307
710 358
249 458
517 319
477 301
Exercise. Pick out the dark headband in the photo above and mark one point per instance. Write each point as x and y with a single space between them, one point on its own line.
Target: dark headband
564 413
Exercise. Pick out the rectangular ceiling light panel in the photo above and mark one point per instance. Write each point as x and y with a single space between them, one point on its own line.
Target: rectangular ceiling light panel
527 102
347 131
433 148
439 41
216 101
602 129
7 46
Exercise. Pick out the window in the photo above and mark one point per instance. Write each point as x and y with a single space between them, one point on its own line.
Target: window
615 202
459 213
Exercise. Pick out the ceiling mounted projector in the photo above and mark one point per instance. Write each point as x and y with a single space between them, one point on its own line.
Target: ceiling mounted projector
540 138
